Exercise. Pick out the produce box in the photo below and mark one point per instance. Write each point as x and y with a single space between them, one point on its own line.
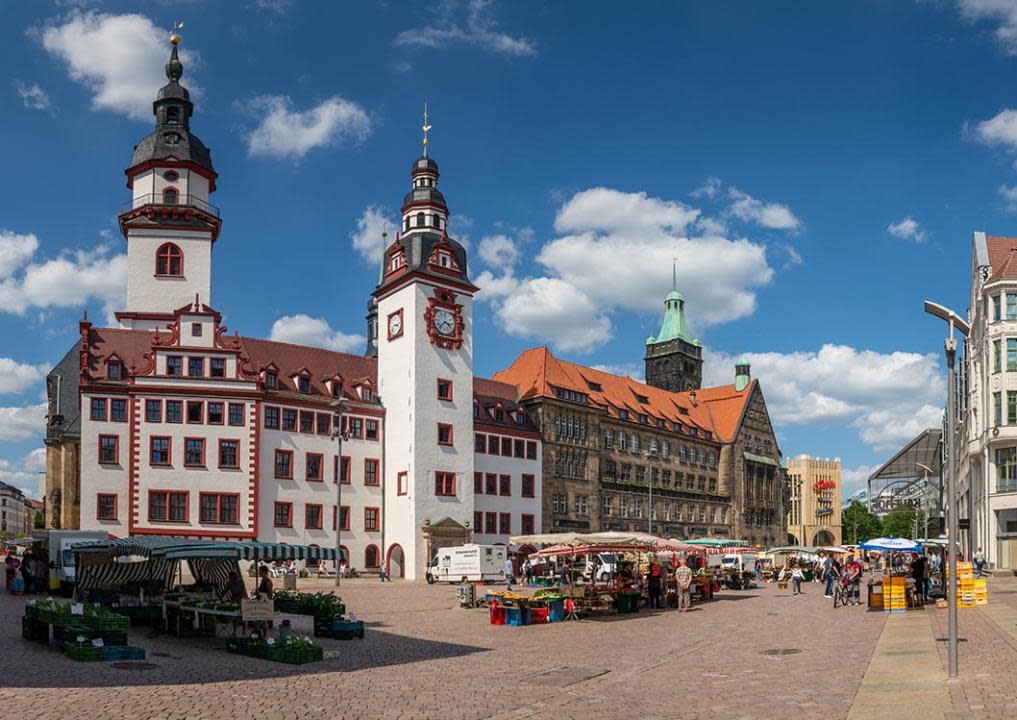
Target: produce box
113 637
71 633
556 611
497 615
294 656
348 629
252 647
122 652
517 617
83 652
34 630
539 616
627 603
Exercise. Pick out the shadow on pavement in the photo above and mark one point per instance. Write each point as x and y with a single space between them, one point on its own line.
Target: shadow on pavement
185 661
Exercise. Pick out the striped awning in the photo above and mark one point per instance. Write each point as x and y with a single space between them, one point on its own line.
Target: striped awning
171 548
93 573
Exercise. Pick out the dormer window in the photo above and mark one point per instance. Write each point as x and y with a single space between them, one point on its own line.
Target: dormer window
365 394
169 260
520 417
195 329
114 370
444 260
271 380
304 384
476 411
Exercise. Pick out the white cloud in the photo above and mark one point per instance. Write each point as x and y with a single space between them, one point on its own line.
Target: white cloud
1000 130
476 28
620 258
636 371
498 251
70 280
35 461
18 377
708 189
32 96
303 329
773 216
887 397
287 133
277 6
120 58
908 228
793 256
854 479
1009 194
22 423
366 238
1003 12
15 251
554 310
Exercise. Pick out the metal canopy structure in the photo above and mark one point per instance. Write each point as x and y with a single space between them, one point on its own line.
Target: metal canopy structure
901 480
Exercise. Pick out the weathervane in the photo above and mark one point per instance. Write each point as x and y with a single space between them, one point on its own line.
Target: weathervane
426 128
174 35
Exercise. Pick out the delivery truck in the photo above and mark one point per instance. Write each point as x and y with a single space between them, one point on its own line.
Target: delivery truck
473 562
57 546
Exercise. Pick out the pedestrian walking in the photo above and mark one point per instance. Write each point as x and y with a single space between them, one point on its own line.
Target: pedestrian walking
528 571
796 580
853 571
509 573
979 562
828 576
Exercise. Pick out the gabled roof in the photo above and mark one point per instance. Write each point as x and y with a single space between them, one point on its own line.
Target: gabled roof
538 373
999 248
1007 270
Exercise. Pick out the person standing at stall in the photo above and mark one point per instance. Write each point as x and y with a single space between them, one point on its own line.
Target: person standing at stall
683 579
853 571
654 582
918 574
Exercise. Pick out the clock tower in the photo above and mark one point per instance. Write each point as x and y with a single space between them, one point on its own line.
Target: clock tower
425 377
169 223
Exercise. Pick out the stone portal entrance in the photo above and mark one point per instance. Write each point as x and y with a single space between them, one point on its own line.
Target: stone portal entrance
444 533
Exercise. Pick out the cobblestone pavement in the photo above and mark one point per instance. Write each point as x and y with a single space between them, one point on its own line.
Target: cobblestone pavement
749 654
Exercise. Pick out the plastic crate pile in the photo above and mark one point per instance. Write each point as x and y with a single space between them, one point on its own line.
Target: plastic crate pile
86 633
517 610
290 650
328 611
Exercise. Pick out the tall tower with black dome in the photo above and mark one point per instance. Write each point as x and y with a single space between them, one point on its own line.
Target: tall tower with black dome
425 376
169 224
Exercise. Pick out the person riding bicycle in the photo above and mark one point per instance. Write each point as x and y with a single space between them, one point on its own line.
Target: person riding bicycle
853 580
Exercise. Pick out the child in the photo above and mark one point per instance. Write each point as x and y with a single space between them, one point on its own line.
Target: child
796 581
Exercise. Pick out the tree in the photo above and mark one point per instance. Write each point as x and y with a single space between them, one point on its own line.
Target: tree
859 524
902 523
40 520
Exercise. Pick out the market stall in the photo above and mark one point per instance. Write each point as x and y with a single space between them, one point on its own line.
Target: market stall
892 593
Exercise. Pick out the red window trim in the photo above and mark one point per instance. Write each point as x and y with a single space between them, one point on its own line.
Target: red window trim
169 450
229 414
187 412
127 409
218 508
229 467
169 248
159 402
204 447
105 410
348 422
275 507
377 474
491 523
222 414
321 467
507 518
189 359
377 555
275 465
345 527
533 486
278 417
401 478
478 483
500 479
447 474
98 504
480 450
173 190
446 426
120 370
490 483
522 524
346 479
166 412
478 521
317 423
116 450
301 414
176 357
367 430
168 493
377 519
321 516
450 390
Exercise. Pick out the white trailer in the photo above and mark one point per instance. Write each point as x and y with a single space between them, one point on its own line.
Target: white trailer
473 562
59 544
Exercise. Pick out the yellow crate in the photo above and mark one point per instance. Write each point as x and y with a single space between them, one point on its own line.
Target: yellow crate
981 584
965 566
981 601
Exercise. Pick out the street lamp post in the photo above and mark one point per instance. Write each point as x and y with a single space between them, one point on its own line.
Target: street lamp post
954 321
651 455
338 434
925 499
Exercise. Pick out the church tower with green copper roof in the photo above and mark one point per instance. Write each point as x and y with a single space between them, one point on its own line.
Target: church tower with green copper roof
674 359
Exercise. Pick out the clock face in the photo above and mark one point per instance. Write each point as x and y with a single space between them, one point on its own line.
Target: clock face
395 325
444 321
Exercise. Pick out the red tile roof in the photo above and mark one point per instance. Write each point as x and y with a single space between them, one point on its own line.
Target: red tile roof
1007 270
538 373
999 250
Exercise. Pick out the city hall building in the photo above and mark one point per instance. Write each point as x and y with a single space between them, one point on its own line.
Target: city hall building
171 425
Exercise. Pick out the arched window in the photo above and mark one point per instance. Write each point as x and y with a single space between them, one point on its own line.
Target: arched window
170 196
407 223
421 219
169 260
436 220
371 559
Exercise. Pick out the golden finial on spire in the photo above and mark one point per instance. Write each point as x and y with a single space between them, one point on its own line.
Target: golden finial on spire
426 128
174 35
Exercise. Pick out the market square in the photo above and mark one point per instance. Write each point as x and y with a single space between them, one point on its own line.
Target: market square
508 360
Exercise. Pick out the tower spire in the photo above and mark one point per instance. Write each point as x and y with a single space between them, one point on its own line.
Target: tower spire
174 68
426 128
674 274
384 247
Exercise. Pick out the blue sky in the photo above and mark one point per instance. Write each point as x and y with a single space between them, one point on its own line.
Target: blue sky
816 174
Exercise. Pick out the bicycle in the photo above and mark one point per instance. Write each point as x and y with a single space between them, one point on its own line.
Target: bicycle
841 594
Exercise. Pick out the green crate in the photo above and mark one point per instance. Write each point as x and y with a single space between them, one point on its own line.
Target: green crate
252 647
82 652
108 622
294 656
34 630
71 633
113 637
